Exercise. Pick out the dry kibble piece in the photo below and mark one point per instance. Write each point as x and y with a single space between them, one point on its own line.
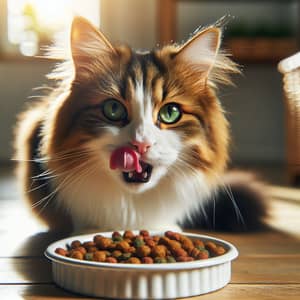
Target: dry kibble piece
186 243
81 249
179 252
185 258
124 257
123 246
159 251
172 245
164 241
204 254
75 244
170 259
173 235
76 254
147 260
88 244
104 243
111 260
129 241
156 238
144 233
198 243
116 253
134 260
128 234
210 246
219 250
92 249
138 241
96 237
143 251
99 256
149 242
61 251
131 250
160 260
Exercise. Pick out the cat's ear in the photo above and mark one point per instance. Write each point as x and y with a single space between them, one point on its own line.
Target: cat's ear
88 43
201 50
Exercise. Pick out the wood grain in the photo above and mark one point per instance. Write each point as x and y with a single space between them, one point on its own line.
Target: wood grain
230 292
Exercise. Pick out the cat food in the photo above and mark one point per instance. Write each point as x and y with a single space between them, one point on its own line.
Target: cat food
142 248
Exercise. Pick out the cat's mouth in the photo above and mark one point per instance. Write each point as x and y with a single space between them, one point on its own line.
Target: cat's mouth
139 177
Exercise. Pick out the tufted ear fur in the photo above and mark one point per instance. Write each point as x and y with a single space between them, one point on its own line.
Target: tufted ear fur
88 45
201 50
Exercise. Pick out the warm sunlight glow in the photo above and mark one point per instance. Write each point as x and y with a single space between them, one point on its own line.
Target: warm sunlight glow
33 23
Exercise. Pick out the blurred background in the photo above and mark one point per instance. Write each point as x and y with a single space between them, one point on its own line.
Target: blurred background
259 35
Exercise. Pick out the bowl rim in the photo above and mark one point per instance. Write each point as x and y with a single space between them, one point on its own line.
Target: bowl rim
230 255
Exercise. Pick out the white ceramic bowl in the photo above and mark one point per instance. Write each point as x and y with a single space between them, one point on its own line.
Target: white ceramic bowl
145 281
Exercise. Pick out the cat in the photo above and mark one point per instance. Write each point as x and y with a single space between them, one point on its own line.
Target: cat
127 139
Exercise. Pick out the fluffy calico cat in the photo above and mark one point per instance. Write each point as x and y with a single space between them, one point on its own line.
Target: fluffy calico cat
127 139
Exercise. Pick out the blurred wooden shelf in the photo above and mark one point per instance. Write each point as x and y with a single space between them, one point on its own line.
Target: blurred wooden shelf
261 49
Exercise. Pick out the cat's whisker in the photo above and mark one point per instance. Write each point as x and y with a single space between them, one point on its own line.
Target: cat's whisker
49 197
37 187
81 177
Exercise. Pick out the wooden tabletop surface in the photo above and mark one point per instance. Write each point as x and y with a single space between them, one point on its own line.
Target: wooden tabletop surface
268 266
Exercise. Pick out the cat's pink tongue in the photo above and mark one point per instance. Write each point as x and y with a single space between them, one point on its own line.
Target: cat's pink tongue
125 159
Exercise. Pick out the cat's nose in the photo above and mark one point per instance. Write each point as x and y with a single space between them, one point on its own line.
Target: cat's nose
142 147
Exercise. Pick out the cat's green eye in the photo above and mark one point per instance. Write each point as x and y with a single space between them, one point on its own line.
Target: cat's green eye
169 113
114 110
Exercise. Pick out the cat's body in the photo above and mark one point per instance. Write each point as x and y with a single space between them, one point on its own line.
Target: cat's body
114 106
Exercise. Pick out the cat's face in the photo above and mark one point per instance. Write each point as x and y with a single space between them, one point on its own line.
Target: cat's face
158 104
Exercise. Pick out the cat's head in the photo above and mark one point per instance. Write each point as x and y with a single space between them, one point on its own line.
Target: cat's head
159 104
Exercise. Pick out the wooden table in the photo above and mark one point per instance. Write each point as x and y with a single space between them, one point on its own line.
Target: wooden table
268 266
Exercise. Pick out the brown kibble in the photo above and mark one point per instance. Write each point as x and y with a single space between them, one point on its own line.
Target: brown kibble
123 246
174 245
144 233
116 253
149 242
97 237
159 251
186 243
87 245
61 251
81 249
131 249
129 241
111 260
147 260
156 238
210 246
198 243
195 252
179 252
173 235
143 251
99 256
75 244
164 241
128 234
185 258
104 243
204 254
77 254
219 250
92 249
133 260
